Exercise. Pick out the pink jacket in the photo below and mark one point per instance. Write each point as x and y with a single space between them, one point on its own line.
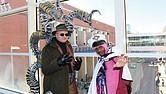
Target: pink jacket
114 82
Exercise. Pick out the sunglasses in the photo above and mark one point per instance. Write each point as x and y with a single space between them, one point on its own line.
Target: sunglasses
63 34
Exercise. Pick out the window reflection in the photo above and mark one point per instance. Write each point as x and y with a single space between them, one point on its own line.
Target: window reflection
14 32
146 26
12 72
7 5
146 33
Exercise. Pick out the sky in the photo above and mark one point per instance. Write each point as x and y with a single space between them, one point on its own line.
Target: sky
144 16
106 9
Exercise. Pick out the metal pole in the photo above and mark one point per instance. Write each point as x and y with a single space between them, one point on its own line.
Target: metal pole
12 68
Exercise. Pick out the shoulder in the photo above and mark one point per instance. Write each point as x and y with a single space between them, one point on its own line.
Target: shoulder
68 44
49 47
46 48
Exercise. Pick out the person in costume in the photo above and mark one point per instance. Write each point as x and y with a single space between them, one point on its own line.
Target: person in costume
58 64
111 74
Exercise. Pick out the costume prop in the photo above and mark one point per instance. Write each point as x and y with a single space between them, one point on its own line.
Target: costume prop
51 12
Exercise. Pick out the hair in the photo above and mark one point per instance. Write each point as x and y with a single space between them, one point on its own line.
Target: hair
98 43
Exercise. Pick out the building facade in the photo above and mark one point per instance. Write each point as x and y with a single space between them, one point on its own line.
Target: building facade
146 43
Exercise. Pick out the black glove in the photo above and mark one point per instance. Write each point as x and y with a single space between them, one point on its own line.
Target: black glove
64 59
77 63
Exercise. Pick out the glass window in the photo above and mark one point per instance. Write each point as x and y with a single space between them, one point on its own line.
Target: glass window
7 5
145 21
102 20
14 33
107 11
144 72
12 71
14 48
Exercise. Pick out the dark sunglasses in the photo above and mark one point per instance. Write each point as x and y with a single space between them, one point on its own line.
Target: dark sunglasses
62 34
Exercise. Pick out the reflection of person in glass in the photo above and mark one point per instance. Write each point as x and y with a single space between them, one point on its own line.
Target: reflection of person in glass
162 82
111 74
58 64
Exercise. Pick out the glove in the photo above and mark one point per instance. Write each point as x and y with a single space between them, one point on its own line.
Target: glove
77 63
64 59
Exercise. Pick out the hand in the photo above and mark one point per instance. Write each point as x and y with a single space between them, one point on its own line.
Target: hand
64 59
121 61
77 63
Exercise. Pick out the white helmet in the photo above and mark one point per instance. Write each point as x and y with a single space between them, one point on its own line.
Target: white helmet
96 38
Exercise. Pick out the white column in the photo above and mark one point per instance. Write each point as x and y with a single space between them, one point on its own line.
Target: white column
31 26
85 65
120 25
74 36
85 32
